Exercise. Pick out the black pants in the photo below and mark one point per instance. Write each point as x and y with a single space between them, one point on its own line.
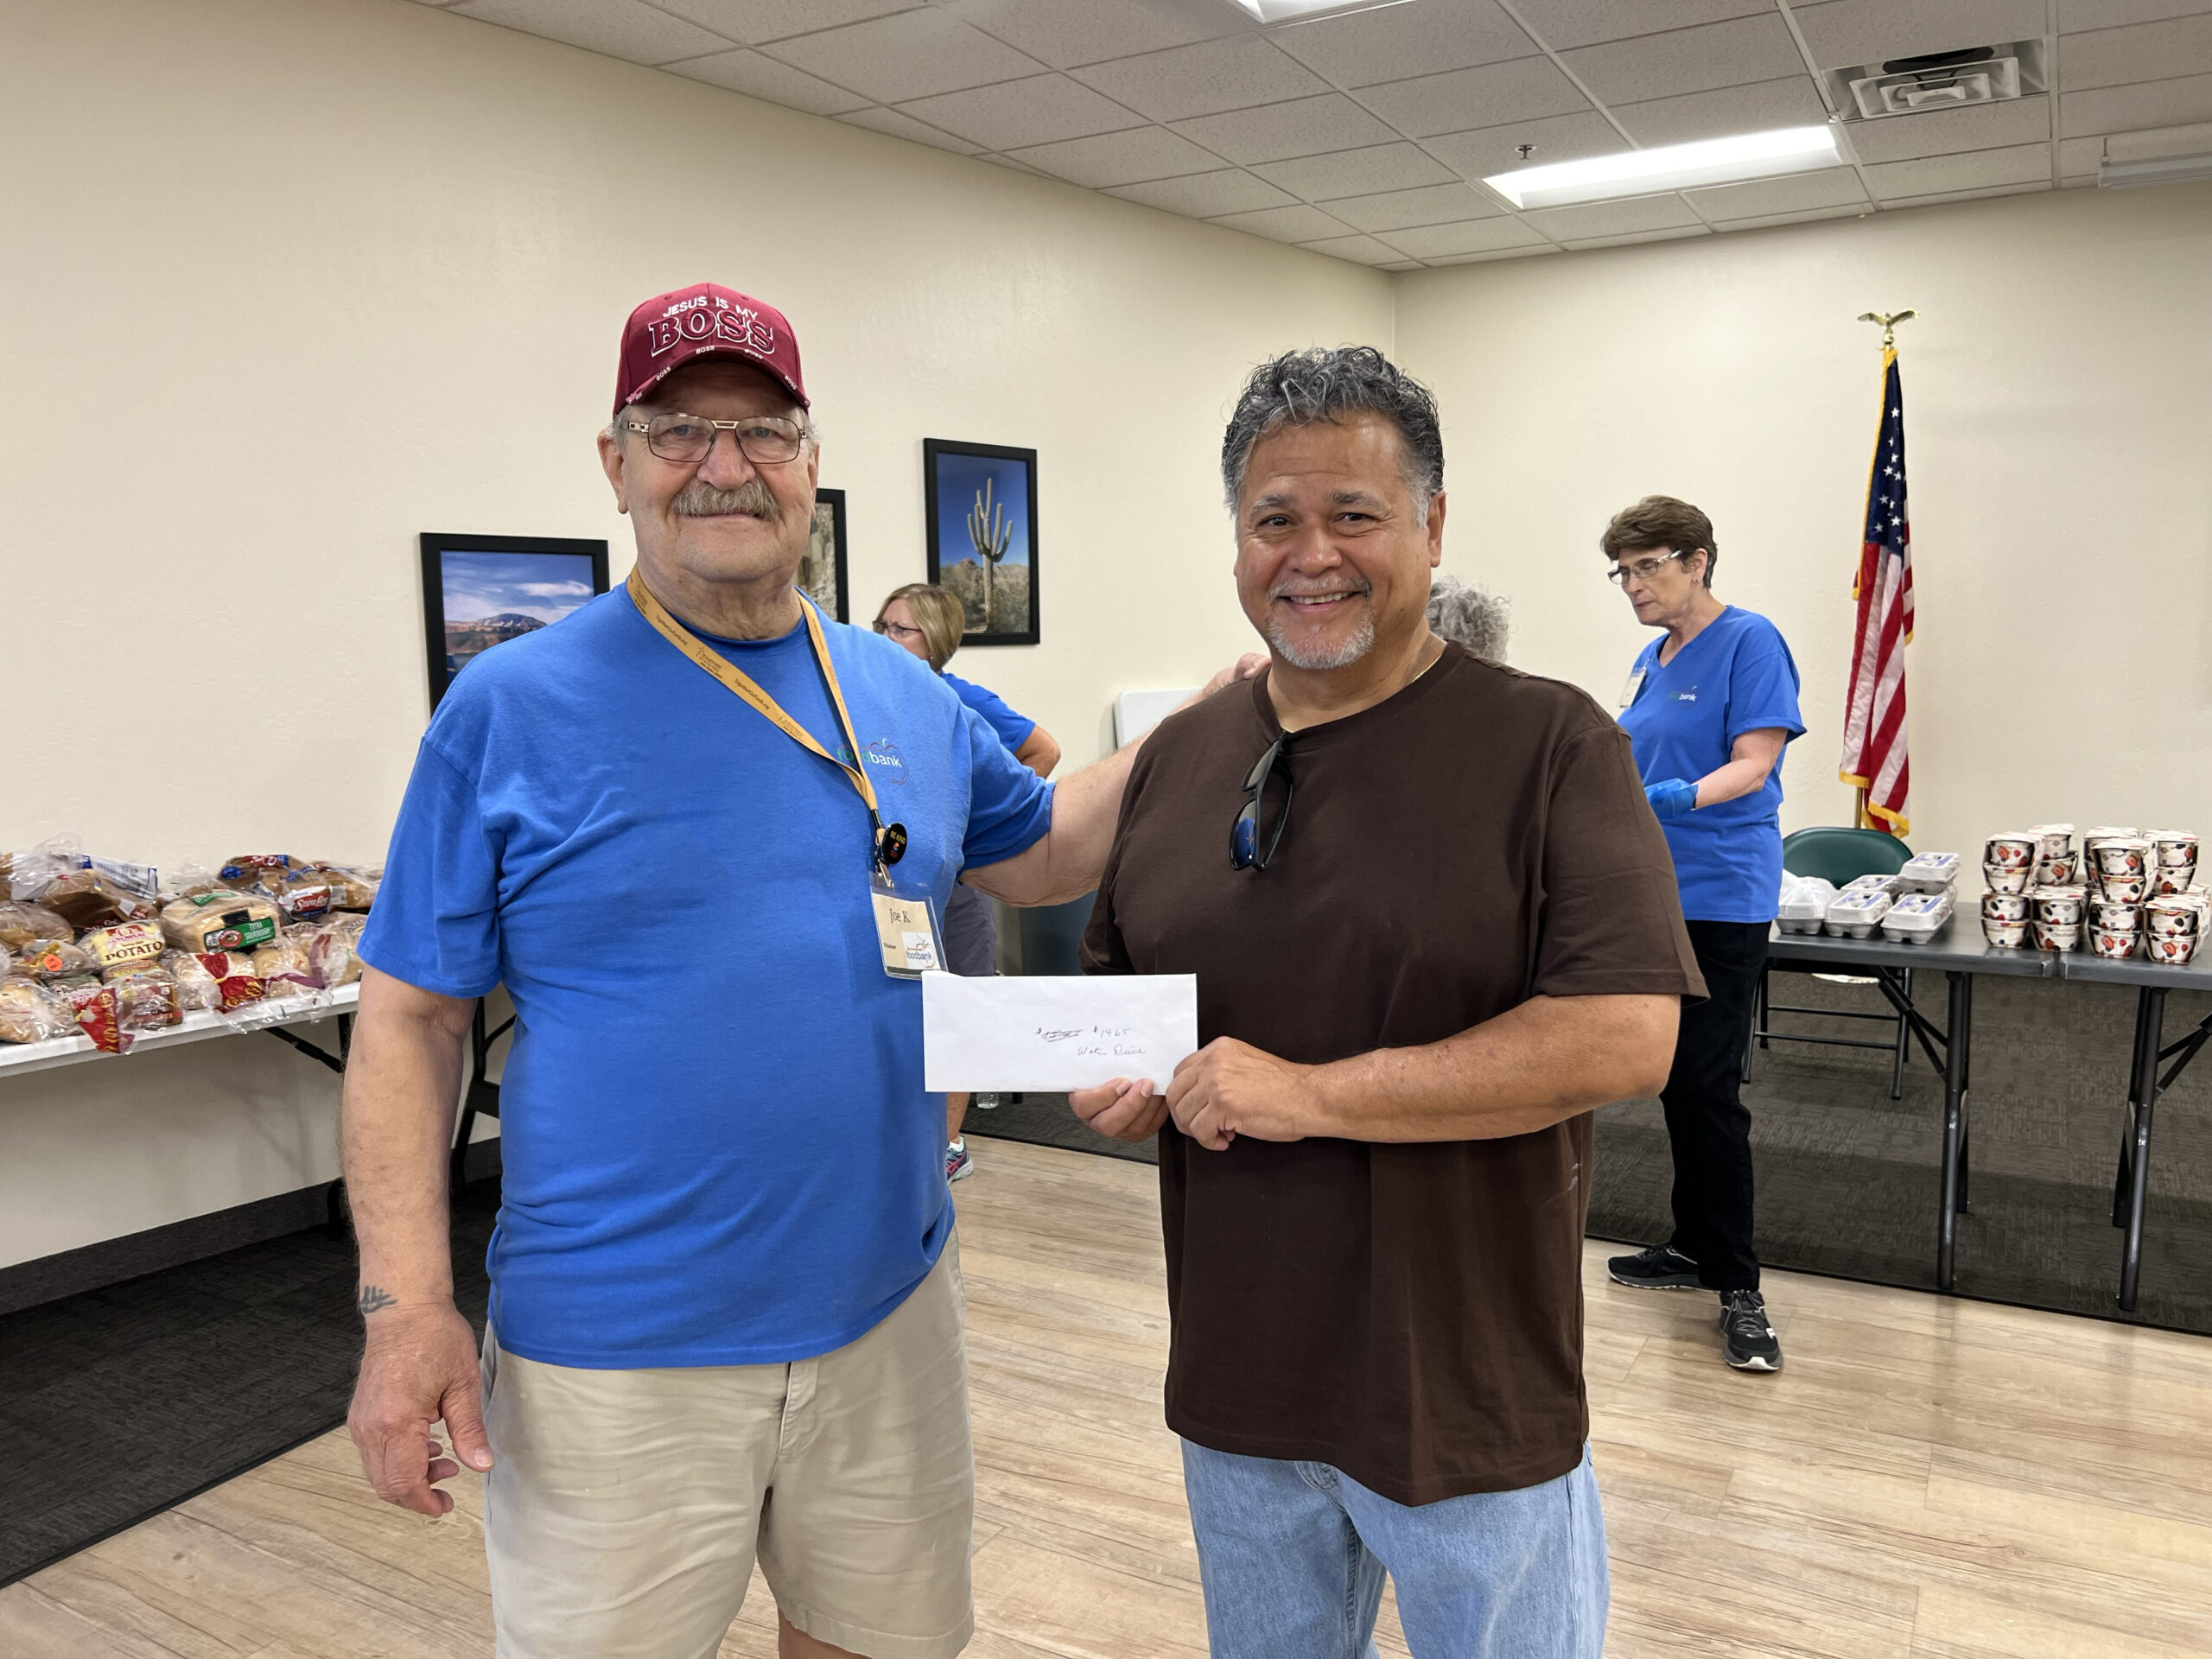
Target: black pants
1708 1126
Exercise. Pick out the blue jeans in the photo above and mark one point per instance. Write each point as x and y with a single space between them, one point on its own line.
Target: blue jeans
1293 1556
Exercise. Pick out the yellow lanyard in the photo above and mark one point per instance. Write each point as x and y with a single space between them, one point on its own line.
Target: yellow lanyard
739 682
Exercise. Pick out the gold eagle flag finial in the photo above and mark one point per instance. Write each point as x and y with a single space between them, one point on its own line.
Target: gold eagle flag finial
1889 324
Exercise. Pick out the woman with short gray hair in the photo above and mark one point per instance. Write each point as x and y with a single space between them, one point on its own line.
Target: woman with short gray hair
1469 616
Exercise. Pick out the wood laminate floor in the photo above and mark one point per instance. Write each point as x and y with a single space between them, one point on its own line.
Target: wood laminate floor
1927 1477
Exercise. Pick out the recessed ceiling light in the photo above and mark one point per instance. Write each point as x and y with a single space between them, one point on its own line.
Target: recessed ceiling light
1673 166
2162 169
1299 12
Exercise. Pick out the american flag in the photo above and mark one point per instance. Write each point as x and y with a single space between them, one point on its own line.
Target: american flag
1875 754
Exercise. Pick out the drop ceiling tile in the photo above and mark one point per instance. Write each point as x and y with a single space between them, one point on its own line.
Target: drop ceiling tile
1306 126
1845 33
1526 89
1042 110
904 126
2113 57
1207 195
1475 236
1943 197
1732 53
1131 157
1067 32
1943 132
1727 111
1013 165
1565 23
1596 219
1294 223
1204 80
1355 172
756 76
908 55
1495 253
2130 109
1770 221
1395 210
1402 41
1497 149
1976 169
752 22
1401 264
1675 233
1838 186
1360 249
2077 157
2075 16
618 28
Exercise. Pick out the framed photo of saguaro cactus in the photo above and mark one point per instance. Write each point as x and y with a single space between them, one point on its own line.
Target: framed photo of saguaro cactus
981 500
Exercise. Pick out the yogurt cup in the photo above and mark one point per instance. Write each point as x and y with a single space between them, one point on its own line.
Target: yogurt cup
2122 889
2174 949
2173 918
2112 947
2056 907
2111 916
2007 878
2132 856
2004 907
2010 936
2049 937
2173 878
2053 840
2054 872
2175 847
2009 849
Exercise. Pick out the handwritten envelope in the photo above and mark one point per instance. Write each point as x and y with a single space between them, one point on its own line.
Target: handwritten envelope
1055 1034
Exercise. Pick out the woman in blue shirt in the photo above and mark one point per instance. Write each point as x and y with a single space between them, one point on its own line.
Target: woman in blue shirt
929 622
1708 707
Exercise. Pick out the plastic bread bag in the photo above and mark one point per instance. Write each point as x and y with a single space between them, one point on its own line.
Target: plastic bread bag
256 869
54 959
21 923
197 991
92 898
31 1014
350 888
219 918
332 950
145 1000
94 1007
123 947
284 968
302 895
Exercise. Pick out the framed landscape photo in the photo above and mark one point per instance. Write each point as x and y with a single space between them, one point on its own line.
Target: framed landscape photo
980 502
481 591
821 574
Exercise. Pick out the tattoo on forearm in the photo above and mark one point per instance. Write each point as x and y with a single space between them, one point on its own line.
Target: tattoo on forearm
374 1298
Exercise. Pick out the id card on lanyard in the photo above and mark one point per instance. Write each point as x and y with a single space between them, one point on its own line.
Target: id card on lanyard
907 927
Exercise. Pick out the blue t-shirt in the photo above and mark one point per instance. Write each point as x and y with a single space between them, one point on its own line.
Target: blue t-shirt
1013 730
717 1149
1736 677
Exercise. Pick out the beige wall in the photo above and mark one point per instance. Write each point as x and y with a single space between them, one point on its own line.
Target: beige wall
2058 387
288 283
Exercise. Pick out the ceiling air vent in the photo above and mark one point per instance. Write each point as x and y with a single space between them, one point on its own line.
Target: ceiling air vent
1939 80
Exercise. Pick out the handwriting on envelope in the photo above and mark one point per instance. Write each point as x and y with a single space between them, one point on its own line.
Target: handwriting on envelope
1055 1034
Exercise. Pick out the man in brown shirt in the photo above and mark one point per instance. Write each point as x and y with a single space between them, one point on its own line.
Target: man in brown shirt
1433 924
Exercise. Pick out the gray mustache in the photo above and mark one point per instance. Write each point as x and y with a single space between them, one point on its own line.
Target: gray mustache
700 499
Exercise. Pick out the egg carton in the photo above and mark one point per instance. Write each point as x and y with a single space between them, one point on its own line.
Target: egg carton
1856 915
1889 884
1916 918
1930 872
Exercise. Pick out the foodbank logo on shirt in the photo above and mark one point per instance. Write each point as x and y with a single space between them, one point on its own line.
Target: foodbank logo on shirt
885 763
1689 696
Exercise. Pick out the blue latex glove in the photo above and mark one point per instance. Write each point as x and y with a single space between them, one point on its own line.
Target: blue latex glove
1673 799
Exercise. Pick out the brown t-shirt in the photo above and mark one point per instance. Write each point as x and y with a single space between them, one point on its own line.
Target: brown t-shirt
1410 1313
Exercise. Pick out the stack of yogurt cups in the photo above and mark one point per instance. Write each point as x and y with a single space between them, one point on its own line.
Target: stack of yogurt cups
2131 892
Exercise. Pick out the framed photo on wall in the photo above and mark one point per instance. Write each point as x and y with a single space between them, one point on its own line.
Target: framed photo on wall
481 591
821 574
980 502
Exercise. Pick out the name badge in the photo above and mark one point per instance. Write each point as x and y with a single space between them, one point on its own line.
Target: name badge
906 931
1628 692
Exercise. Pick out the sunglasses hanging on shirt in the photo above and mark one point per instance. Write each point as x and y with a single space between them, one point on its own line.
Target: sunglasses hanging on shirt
1245 836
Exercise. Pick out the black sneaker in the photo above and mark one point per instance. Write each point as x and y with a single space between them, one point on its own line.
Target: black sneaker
1748 1342
1661 1266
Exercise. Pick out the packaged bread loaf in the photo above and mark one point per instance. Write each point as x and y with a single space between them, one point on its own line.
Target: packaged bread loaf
54 959
123 947
350 888
284 968
31 1014
94 1005
93 899
145 1000
219 918
197 990
331 951
215 980
20 923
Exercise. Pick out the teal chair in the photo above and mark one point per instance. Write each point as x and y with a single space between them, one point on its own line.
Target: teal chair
1838 855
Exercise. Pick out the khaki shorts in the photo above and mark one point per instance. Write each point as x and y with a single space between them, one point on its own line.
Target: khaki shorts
625 1510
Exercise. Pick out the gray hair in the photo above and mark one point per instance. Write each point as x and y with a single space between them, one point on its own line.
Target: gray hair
1470 617
1326 384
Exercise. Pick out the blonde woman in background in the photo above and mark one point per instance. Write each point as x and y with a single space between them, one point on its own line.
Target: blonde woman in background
929 622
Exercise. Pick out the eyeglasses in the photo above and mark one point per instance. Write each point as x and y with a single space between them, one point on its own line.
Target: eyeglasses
1643 570
1244 852
688 439
904 630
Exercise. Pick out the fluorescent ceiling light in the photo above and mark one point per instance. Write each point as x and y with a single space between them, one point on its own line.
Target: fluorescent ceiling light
1299 11
1675 167
2164 170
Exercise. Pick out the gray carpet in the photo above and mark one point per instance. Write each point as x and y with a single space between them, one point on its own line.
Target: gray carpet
1846 1176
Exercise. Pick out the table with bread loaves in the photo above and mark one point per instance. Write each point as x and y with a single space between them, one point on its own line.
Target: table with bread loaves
107 950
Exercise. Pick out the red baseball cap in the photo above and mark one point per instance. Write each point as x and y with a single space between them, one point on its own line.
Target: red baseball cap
705 320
